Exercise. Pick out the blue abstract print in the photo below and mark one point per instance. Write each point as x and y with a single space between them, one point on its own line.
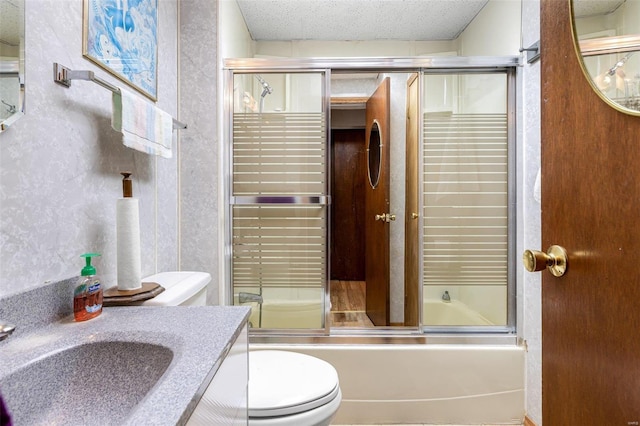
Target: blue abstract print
122 36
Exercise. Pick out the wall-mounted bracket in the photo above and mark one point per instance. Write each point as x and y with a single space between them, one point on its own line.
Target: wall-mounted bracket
533 52
63 75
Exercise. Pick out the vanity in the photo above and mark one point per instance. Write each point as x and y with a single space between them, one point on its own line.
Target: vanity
128 366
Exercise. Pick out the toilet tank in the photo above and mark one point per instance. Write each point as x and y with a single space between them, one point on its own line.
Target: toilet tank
184 288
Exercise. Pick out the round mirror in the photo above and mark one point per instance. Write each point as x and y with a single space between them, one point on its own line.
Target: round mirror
374 151
607 39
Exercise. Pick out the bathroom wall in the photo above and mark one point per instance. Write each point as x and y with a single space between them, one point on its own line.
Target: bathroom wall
495 31
235 40
60 163
529 227
200 212
397 152
204 42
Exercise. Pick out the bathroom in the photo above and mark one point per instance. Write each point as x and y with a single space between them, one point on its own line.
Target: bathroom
60 165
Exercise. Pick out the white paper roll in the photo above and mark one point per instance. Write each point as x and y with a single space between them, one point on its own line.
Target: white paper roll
128 241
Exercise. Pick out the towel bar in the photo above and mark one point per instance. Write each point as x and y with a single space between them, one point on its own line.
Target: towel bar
63 75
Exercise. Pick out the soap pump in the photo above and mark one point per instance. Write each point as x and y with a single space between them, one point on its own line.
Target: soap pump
87 297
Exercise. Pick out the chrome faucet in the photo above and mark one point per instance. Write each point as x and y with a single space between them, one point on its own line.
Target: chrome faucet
253 298
6 330
249 297
446 297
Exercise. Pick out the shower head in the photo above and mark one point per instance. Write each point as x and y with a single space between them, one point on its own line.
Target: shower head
266 88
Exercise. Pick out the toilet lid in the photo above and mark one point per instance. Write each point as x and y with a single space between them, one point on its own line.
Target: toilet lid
283 383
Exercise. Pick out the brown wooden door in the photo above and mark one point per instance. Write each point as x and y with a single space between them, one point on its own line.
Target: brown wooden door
590 206
348 185
412 214
377 203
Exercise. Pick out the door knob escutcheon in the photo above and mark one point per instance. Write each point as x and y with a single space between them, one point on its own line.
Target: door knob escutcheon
555 260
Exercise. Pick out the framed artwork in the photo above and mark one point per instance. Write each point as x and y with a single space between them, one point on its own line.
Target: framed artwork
121 36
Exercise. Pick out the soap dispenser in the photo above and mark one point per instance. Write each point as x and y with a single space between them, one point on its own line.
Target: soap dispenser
87 297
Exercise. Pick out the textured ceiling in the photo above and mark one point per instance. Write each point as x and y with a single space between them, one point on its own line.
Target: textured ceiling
10 12
358 19
584 8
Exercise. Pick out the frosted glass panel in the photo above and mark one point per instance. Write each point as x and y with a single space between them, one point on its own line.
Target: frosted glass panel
465 201
279 153
279 234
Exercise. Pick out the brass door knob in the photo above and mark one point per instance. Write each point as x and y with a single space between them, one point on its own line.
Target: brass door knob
555 260
414 215
386 217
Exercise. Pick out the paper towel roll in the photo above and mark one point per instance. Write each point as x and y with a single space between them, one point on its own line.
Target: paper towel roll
128 242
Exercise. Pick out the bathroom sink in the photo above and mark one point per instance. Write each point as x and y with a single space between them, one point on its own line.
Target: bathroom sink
130 366
90 383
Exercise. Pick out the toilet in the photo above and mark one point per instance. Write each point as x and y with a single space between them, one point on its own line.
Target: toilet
291 389
285 388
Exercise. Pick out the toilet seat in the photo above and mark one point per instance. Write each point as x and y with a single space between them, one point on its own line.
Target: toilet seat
285 383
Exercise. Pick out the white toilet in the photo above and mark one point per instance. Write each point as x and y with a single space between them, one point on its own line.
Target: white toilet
291 389
285 388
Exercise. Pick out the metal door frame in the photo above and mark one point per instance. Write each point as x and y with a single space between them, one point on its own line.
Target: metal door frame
421 65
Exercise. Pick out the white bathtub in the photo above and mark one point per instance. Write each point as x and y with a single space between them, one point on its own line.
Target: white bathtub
309 313
413 383
439 312
287 308
424 383
287 314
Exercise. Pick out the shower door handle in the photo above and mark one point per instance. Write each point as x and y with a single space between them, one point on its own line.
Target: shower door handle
555 260
301 200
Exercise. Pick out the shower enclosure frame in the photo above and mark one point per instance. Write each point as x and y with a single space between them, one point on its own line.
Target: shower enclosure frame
421 65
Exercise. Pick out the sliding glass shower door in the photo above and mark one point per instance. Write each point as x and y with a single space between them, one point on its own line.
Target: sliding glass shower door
279 200
467 210
456 134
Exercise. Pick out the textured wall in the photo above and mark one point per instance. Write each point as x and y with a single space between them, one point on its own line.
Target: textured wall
60 163
529 235
397 194
200 231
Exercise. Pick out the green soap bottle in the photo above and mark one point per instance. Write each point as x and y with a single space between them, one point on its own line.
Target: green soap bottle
87 297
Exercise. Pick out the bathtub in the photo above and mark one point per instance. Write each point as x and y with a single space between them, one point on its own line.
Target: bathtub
423 383
287 308
287 314
308 313
439 379
439 312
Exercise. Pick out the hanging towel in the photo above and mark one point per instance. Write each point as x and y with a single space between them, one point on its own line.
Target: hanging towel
144 127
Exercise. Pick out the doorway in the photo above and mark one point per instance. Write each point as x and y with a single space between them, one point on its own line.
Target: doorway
298 236
361 219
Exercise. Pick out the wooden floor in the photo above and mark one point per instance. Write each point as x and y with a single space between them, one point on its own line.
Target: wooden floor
348 304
